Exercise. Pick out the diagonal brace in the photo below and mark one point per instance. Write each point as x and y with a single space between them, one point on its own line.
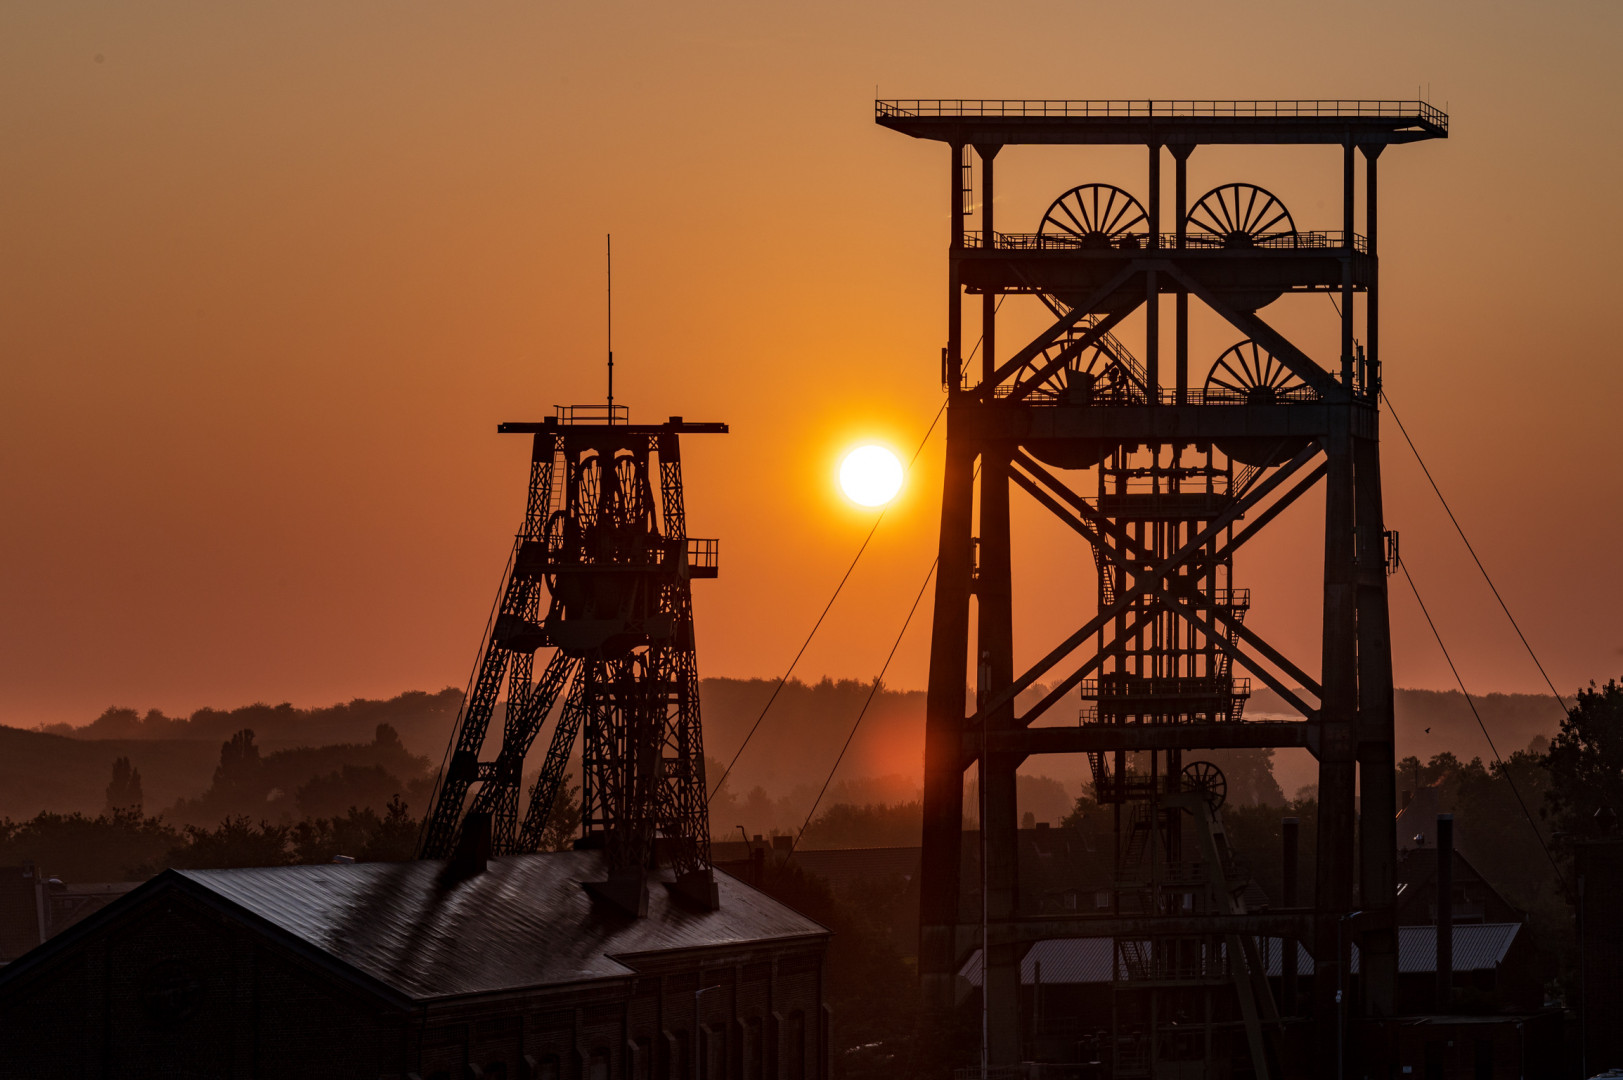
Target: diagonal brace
1143 583
1301 365
1052 334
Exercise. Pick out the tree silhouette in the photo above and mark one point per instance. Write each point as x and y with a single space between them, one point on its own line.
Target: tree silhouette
563 822
124 792
1585 762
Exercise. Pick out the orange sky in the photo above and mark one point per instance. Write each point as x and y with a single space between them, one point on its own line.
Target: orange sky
272 273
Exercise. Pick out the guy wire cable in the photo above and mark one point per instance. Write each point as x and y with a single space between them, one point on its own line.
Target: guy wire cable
784 678
872 692
1457 528
1505 772
878 679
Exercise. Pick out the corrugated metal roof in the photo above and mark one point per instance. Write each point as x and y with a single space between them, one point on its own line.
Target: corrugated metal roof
1477 947
1304 959
526 921
1064 961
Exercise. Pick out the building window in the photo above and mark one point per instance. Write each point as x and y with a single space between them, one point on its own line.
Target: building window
796 1045
548 1068
678 1064
754 1050
712 1053
640 1066
1101 900
598 1068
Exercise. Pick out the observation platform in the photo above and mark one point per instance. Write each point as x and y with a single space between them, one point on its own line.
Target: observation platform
573 417
1250 275
1031 424
1009 122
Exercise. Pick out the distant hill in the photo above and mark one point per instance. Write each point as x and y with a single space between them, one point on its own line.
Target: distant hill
1513 720
40 771
423 721
66 768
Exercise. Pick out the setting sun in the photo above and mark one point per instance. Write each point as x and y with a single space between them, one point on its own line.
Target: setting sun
870 476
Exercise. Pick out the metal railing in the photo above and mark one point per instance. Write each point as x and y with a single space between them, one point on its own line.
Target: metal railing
1316 240
592 414
1138 108
1166 395
703 554
1136 688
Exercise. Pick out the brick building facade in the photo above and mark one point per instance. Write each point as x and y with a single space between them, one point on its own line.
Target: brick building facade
378 970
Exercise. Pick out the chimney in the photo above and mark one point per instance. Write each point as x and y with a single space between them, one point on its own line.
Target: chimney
472 854
1290 831
1445 912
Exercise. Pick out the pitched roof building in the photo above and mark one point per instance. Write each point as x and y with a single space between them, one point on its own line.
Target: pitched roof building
379 970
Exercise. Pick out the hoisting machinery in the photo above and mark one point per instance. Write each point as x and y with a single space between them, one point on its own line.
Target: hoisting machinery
600 576
1185 474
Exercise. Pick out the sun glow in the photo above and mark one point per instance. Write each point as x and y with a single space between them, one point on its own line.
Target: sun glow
870 476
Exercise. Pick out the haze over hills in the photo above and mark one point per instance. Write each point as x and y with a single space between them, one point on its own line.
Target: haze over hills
64 768
423 721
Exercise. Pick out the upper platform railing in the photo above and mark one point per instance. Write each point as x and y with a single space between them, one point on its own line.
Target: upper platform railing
1321 240
1139 108
592 414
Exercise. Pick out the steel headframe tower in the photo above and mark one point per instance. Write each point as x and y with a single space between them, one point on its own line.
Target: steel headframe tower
1186 474
600 574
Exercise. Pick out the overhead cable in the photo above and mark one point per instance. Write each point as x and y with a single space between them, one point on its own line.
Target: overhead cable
1503 770
784 678
1485 577
873 691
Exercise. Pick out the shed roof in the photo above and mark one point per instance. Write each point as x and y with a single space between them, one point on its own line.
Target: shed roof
1477 947
525 922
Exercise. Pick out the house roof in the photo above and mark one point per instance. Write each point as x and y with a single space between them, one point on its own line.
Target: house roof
842 867
525 922
1417 821
1477 947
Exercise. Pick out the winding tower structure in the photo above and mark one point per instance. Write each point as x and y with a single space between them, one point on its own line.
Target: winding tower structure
1189 461
600 583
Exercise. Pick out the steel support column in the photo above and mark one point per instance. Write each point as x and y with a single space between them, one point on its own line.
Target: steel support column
943 730
1180 157
1377 816
1152 292
1348 195
989 298
1338 709
952 376
995 643
1372 290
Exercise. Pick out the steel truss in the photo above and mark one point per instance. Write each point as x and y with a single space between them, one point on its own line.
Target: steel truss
1185 473
604 542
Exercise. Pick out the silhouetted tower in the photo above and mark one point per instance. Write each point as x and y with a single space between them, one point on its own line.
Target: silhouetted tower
600 575
1187 470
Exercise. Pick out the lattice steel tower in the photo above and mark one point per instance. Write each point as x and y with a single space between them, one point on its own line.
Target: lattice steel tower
600 575
1187 469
